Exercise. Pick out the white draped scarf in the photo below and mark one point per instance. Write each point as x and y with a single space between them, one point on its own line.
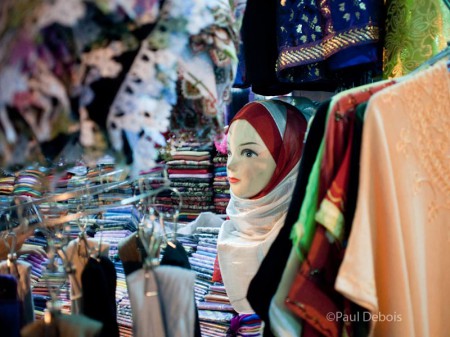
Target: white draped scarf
245 239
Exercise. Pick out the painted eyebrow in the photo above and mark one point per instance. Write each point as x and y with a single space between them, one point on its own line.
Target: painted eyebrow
249 143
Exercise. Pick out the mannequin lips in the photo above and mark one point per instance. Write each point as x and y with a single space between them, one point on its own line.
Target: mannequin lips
233 180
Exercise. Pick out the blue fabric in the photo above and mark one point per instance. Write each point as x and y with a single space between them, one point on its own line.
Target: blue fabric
305 24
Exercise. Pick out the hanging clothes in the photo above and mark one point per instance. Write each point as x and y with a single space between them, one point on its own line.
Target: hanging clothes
177 304
10 307
312 293
148 318
98 281
23 276
177 257
396 262
318 38
265 283
260 48
130 253
78 255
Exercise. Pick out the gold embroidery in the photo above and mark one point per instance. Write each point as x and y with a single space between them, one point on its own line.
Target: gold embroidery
326 13
415 31
317 52
324 8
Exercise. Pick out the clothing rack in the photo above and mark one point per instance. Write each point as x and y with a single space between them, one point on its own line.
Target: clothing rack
91 191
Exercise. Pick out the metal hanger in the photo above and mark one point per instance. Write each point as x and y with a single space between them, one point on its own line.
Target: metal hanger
11 260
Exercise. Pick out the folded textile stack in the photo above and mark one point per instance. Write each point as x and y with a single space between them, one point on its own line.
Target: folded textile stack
7 184
118 223
221 185
58 181
215 310
41 282
124 315
246 325
29 183
190 172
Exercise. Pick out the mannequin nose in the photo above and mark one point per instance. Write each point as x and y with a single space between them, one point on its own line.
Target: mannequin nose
231 163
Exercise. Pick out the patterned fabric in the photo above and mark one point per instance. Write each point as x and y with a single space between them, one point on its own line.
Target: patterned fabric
344 33
316 276
88 78
415 31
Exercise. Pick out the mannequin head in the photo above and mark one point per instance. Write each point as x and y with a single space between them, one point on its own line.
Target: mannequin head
250 164
264 145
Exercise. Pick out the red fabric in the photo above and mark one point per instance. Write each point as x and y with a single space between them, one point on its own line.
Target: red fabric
286 151
188 171
312 295
217 276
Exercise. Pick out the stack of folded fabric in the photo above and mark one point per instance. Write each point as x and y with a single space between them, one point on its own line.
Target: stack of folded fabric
57 181
190 172
124 315
118 223
216 299
42 282
215 310
221 185
246 325
29 183
7 184
40 294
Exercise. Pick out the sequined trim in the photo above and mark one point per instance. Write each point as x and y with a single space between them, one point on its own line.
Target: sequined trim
307 54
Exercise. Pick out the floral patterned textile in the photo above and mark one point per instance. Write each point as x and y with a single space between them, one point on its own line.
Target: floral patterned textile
82 78
316 38
415 31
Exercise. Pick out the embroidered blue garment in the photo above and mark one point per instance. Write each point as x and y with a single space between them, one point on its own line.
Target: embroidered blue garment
318 37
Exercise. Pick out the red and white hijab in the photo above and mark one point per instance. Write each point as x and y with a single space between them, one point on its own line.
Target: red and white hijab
254 223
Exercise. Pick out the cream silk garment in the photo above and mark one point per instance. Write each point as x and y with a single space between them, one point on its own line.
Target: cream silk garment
397 263
246 237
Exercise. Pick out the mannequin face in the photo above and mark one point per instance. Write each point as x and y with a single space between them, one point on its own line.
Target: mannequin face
250 164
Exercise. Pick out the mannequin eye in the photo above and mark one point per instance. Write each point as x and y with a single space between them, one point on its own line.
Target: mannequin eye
249 153
228 153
